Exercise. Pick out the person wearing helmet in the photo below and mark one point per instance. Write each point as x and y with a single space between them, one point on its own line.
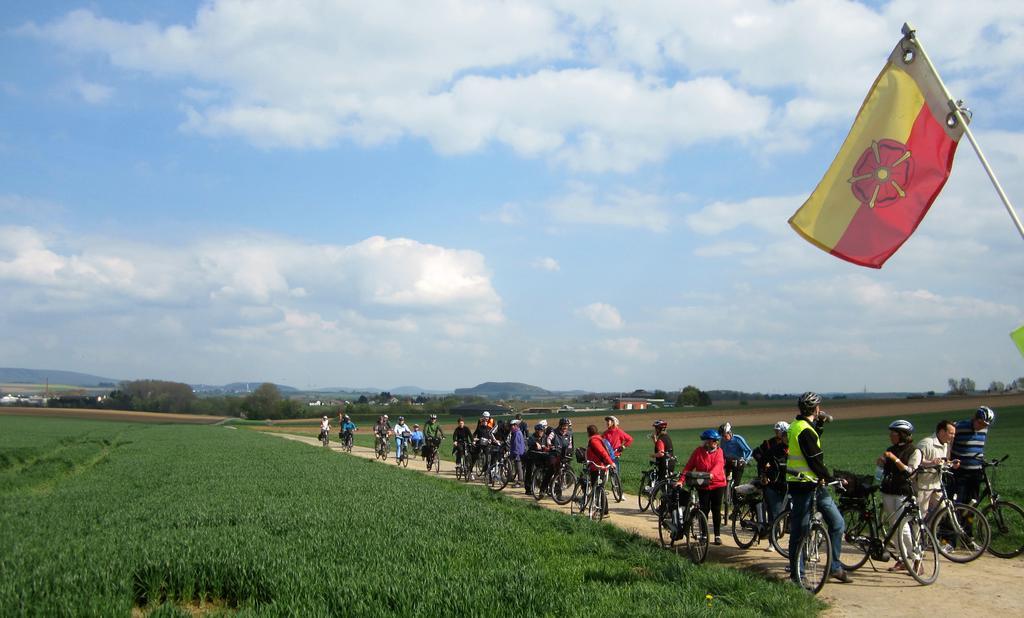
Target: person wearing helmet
617 438
898 463
935 450
516 450
771 468
559 445
969 448
737 452
536 455
483 440
347 429
402 435
708 457
805 469
381 431
664 454
325 427
433 436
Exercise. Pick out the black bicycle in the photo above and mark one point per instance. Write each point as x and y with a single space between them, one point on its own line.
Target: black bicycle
462 462
749 516
383 447
814 551
432 454
402 446
590 499
649 482
961 531
346 441
1005 518
681 519
499 468
559 486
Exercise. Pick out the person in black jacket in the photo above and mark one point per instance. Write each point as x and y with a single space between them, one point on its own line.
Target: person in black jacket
462 437
771 468
898 462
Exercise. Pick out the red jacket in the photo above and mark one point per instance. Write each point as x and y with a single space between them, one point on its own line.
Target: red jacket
617 437
703 461
597 453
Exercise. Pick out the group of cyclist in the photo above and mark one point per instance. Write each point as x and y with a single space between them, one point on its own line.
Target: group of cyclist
790 463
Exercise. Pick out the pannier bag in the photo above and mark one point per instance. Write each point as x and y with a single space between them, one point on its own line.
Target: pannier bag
581 455
698 479
858 486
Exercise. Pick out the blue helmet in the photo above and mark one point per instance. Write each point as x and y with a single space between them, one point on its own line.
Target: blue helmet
986 414
710 434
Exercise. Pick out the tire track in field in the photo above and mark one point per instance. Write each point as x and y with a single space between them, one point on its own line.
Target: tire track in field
987 586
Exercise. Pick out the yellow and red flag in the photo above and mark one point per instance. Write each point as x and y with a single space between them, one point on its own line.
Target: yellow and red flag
889 170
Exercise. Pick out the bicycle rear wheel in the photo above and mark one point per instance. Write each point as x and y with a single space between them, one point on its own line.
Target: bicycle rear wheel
496 477
778 534
537 484
961 532
918 551
815 558
1006 521
667 529
745 525
599 503
697 535
855 542
578 504
561 486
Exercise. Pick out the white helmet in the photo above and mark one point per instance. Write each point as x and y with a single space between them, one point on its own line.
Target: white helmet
487 414
324 418
782 426
901 425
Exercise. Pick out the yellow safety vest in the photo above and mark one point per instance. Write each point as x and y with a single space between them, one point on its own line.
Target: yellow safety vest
796 464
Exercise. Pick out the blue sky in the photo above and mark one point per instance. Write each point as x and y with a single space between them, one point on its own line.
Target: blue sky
571 194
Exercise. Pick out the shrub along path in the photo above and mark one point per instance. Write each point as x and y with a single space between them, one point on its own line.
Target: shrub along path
986 586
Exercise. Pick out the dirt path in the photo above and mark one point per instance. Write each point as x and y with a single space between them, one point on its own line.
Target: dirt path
990 583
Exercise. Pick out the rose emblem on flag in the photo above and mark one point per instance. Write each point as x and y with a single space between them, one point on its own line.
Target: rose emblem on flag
882 174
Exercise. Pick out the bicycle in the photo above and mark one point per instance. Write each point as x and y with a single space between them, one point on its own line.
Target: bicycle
433 458
383 447
615 483
961 531
346 441
325 437
750 517
688 522
1005 518
558 487
727 501
499 468
590 499
402 448
648 482
814 551
865 538
461 452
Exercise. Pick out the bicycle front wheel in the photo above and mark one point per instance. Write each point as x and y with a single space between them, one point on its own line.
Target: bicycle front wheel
666 527
1006 521
918 551
616 483
815 558
778 535
598 504
697 536
537 484
643 497
578 504
561 486
745 525
496 477
961 532
855 542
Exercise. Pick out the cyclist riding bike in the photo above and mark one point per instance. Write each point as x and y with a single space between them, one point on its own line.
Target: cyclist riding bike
771 468
805 470
969 448
483 440
347 428
416 439
402 435
325 427
736 450
462 437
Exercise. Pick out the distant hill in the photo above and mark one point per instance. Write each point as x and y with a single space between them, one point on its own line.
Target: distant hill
504 390
416 390
13 375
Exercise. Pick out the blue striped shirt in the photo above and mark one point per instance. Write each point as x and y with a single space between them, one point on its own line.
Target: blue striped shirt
969 445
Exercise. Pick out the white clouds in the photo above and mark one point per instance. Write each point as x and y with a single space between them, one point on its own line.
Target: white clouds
625 208
603 316
92 93
506 214
765 213
549 264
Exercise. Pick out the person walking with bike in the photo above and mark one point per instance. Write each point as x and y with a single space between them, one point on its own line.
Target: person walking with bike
664 454
708 457
516 450
736 450
483 439
935 450
462 437
898 463
805 471
617 437
535 456
559 445
771 468
969 448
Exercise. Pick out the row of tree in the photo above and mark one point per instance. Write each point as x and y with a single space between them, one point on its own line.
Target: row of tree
966 386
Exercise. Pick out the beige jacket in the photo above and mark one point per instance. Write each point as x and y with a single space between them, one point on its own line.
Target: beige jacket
931 448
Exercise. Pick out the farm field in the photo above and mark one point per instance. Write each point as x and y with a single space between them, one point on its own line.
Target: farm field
102 518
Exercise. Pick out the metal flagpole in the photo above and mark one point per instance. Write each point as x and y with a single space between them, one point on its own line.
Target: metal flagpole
957 110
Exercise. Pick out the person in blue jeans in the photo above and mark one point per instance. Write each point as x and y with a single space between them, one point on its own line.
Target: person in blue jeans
805 472
402 434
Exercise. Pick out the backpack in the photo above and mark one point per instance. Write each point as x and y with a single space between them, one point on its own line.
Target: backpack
608 447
